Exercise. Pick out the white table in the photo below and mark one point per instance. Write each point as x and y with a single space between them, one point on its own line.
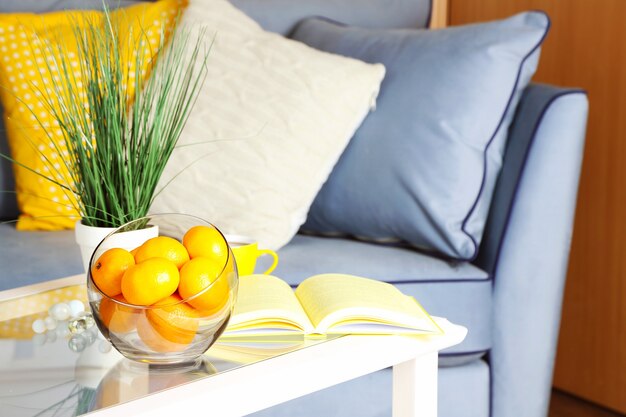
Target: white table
280 378
277 380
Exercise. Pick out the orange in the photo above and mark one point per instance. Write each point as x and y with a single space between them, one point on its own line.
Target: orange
162 247
177 323
169 328
108 270
153 339
207 242
198 274
116 317
150 281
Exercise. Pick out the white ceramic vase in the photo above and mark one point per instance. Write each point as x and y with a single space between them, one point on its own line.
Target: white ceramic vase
89 237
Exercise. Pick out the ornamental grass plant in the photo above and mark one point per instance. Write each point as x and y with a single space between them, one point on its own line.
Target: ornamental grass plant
122 120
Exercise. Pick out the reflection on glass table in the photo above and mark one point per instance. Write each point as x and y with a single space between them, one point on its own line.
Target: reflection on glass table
57 374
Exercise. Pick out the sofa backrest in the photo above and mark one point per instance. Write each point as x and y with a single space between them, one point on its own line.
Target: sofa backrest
281 16
42 6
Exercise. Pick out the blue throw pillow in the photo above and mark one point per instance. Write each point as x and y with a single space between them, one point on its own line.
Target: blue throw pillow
422 168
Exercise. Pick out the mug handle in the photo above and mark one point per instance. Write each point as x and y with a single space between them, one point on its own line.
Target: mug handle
274 255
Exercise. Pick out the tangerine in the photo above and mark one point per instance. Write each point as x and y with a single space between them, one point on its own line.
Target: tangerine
197 275
108 270
116 317
150 281
206 242
175 321
169 328
153 339
162 247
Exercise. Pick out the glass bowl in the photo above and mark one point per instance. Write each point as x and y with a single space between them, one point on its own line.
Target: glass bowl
174 329
128 380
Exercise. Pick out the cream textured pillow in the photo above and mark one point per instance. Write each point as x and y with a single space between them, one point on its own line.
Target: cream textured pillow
276 114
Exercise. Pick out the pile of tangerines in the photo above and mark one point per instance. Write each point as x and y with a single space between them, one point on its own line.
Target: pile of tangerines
179 281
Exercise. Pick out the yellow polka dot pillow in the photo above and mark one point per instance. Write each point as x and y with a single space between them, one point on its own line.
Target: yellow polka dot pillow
28 68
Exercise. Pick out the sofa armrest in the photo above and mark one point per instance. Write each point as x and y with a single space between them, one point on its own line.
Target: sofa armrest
527 242
535 103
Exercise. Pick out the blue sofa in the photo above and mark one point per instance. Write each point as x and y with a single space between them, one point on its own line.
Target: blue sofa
509 297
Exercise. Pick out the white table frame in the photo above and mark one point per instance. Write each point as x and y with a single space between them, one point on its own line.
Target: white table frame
280 379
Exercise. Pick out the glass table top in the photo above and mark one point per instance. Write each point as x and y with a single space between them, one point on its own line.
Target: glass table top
57 374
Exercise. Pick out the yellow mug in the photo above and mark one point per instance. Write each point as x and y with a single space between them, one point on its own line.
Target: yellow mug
246 254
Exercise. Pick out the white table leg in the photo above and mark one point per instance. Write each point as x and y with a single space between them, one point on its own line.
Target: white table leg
415 387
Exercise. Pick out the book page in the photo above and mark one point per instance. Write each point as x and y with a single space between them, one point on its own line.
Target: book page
266 304
350 304
245 353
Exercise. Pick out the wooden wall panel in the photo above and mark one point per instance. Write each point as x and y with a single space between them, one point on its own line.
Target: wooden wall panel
586 48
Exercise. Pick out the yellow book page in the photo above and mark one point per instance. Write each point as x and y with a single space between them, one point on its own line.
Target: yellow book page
266 305
250 352
337 303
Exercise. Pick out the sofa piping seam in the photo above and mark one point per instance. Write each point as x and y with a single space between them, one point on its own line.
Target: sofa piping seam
544 111
493 136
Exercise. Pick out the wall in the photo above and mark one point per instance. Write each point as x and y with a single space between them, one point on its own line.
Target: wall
587 48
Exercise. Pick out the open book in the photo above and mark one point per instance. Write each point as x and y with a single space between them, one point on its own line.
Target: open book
246 352
325 304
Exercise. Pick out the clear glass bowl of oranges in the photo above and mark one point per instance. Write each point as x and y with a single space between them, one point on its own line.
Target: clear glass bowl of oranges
162 288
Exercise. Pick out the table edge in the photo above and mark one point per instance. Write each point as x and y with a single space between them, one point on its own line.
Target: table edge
40 287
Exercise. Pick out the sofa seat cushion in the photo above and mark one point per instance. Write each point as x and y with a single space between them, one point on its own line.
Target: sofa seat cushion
459 291
461 392
32 257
